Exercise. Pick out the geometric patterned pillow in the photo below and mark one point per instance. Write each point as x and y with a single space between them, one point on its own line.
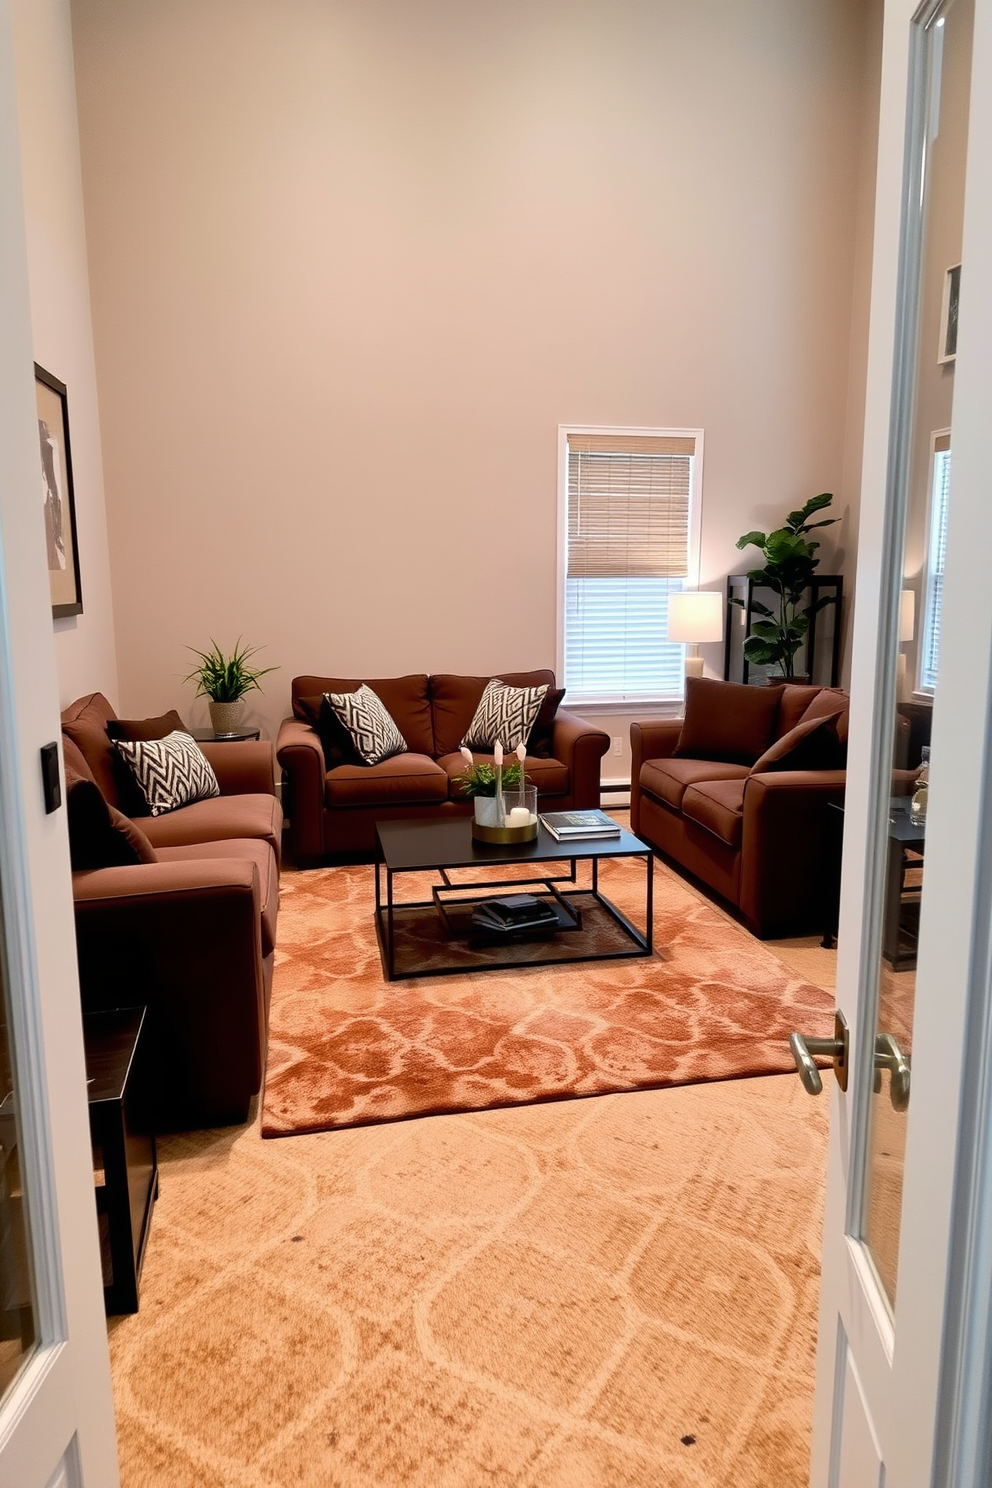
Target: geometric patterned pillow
373 732
169 772
504 713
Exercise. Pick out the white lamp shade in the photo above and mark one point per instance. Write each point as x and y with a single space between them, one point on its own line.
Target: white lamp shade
907 615
695 618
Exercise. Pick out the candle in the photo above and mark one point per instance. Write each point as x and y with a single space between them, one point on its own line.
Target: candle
520 817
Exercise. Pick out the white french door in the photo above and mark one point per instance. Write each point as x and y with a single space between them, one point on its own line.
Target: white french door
56 1414
903 1384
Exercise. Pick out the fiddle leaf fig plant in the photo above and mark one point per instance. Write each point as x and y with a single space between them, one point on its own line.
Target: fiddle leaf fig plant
790 562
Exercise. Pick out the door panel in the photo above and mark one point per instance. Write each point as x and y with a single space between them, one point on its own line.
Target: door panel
904 1187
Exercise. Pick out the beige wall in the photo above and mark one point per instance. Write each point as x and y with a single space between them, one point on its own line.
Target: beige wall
351 266
60 317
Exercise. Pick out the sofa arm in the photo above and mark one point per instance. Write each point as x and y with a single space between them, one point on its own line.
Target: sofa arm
785 863
182 939
655 739
579 746
301 754
245 767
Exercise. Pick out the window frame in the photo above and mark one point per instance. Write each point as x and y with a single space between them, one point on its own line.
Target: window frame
615 704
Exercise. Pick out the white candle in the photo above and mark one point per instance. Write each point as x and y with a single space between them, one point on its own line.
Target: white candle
520 817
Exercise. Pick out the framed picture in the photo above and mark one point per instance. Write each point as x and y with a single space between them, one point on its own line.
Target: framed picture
57 494
948 348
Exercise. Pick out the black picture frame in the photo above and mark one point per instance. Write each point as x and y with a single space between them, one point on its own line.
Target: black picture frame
948 348
58 495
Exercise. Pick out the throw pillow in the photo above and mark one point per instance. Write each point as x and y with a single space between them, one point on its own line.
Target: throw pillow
170 772
726 721
146 728
831 702
540 744
811 745
504 713
372 731
99 836
335 739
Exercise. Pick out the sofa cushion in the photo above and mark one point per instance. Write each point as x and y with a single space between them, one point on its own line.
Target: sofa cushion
99 836
146 728
406 699
217 819
794 701
170 772
540 744
85 723
717 805
239 849
668 779
504 713
831 702
727 721
369 723
549 775
402 780
811 745
335 740
455 698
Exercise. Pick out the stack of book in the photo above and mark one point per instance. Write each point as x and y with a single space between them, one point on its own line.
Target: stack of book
568 826
514 912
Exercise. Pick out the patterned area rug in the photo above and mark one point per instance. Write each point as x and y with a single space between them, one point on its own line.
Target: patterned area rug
347 1048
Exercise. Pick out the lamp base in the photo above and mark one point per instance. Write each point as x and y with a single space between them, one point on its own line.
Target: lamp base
694 666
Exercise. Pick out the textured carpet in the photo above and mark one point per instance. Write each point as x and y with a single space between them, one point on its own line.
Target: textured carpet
346 1047
611 1293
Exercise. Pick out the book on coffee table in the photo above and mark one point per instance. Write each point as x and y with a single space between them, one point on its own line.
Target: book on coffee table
514 912
566 826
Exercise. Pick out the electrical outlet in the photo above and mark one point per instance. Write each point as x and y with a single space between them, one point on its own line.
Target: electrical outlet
617 744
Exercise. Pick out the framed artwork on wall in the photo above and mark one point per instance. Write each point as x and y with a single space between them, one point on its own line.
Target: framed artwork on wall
948 348
57 495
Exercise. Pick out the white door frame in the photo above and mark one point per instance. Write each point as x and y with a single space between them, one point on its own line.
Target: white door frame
56 1421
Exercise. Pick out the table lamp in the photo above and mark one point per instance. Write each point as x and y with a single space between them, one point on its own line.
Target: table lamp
695 618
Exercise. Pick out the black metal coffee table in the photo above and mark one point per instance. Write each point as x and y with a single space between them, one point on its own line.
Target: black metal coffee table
436 937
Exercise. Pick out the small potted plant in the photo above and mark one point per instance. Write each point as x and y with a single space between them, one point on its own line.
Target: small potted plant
790 561
223 681
505 807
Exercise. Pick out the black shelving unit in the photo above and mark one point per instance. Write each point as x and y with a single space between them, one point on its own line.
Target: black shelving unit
819 656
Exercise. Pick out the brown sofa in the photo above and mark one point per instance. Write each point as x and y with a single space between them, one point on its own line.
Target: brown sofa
190 935
333 805
709 794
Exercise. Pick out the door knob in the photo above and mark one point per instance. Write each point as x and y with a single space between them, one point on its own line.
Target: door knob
804 1048
888 1055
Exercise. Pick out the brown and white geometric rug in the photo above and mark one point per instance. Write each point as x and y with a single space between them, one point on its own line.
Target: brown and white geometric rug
347 1048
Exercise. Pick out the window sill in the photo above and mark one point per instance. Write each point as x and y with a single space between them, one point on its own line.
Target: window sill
671 707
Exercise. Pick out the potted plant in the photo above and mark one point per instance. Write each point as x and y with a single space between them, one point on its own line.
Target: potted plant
505 806
790 561
223 681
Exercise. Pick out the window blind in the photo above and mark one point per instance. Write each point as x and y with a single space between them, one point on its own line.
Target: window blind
629 499
930 650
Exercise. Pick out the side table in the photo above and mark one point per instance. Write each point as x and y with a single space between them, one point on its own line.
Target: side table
236 736
124 1156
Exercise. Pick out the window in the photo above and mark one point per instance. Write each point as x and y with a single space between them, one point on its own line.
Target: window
933 588
630 533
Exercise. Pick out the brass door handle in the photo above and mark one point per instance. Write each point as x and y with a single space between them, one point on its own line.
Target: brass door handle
888 1055
836 1048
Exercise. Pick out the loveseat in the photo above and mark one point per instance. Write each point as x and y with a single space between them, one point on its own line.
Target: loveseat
737 793
180 917
334 801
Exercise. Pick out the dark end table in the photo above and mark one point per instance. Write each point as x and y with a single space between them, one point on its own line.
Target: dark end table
125 1161
236 736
